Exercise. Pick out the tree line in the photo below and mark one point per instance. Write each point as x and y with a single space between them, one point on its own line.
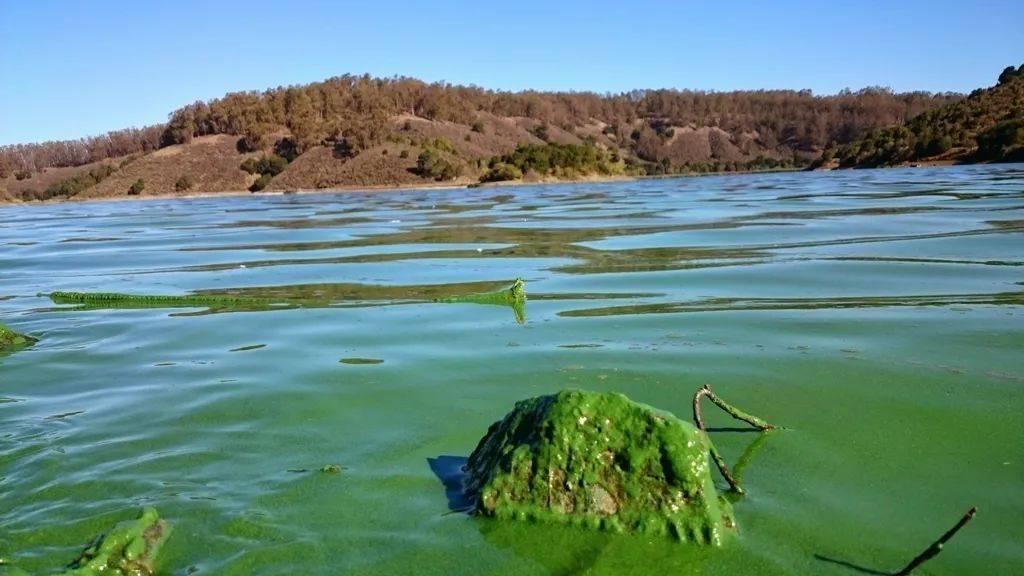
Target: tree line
356 112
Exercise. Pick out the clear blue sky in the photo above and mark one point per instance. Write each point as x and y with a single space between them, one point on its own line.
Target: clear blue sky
76 68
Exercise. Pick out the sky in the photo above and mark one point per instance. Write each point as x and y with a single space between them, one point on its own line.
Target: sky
76 68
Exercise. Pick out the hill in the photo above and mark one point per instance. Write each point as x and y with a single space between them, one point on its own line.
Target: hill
358 131
987 126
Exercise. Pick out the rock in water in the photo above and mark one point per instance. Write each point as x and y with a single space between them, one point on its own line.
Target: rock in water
599 460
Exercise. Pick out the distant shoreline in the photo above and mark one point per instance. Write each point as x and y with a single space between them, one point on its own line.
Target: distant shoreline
386 188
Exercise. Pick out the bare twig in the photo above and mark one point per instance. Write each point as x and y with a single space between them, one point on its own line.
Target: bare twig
936 547
698 419
736 413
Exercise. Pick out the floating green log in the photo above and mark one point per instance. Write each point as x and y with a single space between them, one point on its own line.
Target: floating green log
9 339
601 461
130 548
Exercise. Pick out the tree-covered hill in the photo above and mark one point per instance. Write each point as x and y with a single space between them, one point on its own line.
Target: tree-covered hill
987 126
359 131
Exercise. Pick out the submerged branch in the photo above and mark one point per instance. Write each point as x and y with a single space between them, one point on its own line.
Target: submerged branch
936 547
698 415
698 419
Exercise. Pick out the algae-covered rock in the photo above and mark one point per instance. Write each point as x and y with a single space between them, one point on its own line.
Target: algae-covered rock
10 339
599 460
129 549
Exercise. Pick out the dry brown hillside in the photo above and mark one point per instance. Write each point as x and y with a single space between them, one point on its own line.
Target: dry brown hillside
211 161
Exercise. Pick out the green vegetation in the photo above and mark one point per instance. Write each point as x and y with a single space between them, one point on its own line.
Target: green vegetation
985 127
270 164
22 175
261 183
1009 73
439 161
558 160
267 167
130 548
500 172
601 461
1005 140
185 182
137 187
9 339
513 295
71 186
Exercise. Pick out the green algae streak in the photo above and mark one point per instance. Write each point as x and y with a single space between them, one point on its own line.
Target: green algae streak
599 460
261 299
513 295
117 300
9 339
128 549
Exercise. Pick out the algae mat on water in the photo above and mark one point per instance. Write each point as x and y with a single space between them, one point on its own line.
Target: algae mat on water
870 312
10 340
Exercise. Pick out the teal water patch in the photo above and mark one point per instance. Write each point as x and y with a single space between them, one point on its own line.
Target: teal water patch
875 313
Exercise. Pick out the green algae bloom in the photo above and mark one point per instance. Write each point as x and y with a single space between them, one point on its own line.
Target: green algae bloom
255 299
104 300
128 549
513 296
9 339
599 460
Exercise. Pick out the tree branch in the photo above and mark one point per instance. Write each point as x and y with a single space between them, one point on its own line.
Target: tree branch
936 547
698 419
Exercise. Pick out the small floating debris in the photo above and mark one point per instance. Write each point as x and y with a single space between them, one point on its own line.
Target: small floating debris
332 469
573 346
247 348
361 361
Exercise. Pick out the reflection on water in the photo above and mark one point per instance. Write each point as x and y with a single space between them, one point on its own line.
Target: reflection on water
876 313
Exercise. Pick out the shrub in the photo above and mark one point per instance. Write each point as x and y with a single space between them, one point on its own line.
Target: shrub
22 174
443 144
478 127
261 183
501 172
137 187
541 132
287 148
250 165
271 164
403 154
252 141
71 186
436 164
997 140
185 182
562 160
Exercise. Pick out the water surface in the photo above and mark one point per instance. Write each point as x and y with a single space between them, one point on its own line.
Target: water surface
877 315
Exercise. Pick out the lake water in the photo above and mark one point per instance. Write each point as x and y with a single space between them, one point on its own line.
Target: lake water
877 315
